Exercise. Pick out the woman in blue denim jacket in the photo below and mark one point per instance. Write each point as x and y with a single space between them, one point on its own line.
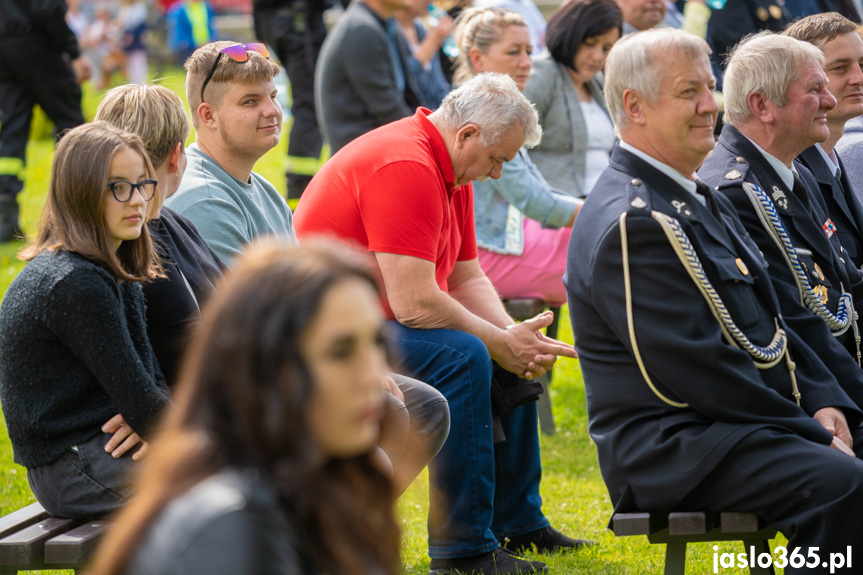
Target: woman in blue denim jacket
522 223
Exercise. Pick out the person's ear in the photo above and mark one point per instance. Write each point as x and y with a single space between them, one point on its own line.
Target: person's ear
476 59
465 133
207 114
174 157
633 106
760 107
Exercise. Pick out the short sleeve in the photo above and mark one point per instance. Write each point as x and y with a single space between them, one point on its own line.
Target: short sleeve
402 210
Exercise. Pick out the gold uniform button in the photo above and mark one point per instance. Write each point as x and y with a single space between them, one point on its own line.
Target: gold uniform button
742 267
776 12
762 14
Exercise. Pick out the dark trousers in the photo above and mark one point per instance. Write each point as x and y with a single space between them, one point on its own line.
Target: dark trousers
479 491
296 33
85 482
811 493
32 72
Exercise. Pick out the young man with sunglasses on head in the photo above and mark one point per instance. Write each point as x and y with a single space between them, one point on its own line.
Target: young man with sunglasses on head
232 98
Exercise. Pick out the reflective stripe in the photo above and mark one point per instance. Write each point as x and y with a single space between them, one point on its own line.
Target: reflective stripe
303 165
12 167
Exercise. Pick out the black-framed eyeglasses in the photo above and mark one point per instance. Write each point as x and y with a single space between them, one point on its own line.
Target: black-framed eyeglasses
237 53
123 190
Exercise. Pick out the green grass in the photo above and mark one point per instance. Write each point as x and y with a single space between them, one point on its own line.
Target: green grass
576 501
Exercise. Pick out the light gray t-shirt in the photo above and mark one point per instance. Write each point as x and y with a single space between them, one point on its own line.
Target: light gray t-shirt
229 213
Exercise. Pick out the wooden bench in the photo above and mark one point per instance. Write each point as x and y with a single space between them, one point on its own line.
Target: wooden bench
520 310
32 540
678 529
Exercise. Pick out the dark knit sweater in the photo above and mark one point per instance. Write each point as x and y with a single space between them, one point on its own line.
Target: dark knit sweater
73 353
173 314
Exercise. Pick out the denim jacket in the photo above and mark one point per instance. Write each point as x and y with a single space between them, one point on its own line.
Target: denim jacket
500 205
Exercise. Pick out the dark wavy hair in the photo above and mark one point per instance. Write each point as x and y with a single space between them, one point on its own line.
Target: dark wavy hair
576 21
241 402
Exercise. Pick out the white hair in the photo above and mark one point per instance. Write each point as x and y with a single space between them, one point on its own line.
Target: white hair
634 64
494 103
764 63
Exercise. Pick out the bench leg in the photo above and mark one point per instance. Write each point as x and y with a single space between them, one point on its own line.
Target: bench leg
675 558
543 408
761 546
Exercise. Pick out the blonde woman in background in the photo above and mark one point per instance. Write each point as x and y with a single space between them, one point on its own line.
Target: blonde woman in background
522 223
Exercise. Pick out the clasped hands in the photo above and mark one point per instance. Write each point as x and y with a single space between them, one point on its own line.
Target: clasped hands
527 351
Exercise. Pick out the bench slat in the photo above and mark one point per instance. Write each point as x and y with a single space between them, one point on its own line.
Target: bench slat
77 545
624 524
740 523
26 546
690 523
18 520
522 309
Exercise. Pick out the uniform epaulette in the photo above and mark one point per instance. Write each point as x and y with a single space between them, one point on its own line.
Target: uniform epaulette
638 198
735 172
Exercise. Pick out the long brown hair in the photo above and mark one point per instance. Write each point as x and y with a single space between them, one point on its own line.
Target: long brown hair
241 402
73 218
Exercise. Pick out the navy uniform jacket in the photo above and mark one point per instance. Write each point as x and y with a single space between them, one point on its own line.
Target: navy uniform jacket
842 205
653 454
736 160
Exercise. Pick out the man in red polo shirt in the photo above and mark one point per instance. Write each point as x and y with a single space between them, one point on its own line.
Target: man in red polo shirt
403 192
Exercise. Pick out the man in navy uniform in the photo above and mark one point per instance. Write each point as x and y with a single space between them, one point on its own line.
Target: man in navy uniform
839 40
685 358
776 104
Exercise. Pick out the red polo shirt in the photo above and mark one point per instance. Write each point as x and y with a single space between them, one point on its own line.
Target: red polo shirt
392 190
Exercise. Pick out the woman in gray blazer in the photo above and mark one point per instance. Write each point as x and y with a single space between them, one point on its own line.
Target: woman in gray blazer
567 92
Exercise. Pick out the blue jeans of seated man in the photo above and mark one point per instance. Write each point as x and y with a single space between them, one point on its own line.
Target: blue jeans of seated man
478 490
84 484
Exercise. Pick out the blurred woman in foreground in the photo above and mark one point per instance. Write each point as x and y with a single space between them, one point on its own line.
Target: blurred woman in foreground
265 466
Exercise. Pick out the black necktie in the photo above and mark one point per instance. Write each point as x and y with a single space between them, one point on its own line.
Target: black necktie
704 190
802 194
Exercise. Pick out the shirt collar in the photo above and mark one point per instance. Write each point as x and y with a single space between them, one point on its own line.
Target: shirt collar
381 21
684 182
438 147
785 173
831 160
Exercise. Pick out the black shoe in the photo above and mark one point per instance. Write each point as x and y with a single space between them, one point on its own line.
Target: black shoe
9 228
498 562
545 541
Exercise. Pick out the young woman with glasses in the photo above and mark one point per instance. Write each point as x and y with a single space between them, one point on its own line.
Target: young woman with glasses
79 383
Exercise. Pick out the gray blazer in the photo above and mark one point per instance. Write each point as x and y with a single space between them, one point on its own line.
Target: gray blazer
355 80
560 156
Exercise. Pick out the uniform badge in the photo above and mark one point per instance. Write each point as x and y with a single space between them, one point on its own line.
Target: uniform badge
821 293
829 228
638 203
741 265
682 208
819 272
732 175
779 198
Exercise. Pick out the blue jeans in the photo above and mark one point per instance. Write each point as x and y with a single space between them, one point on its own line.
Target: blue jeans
479 491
